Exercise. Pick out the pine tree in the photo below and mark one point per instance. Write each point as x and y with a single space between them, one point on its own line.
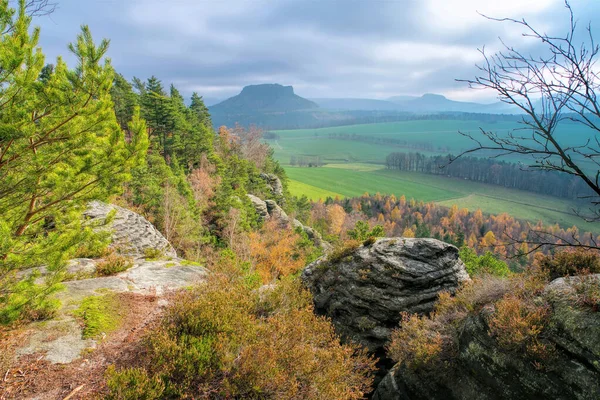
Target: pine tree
60 146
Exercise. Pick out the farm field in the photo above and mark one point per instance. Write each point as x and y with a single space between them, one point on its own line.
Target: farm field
440 137
352 180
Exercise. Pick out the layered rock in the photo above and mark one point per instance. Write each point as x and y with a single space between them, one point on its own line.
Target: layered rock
273 183
482 370
132 234
365 290
270 210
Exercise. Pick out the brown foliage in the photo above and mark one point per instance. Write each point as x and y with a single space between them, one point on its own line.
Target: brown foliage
569 262
225 340
275 252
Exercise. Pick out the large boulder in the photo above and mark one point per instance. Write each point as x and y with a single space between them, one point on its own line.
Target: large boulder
365 290
482 370
132 234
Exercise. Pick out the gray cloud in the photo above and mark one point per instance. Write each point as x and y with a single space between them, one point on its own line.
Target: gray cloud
325 48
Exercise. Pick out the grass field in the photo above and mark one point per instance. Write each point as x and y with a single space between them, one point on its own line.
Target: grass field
443 134
354 167
355 179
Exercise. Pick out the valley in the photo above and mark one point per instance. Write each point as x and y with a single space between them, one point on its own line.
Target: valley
355 164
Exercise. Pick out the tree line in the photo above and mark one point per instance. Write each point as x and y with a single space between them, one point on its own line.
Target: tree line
492 171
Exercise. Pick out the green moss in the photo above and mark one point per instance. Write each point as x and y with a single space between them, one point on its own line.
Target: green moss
190 263
100 314
153 254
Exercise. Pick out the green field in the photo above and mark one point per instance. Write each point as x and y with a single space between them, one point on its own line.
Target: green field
355 180
443 134
354 167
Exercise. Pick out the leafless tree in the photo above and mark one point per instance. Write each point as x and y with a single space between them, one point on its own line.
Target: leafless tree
558 86
33 8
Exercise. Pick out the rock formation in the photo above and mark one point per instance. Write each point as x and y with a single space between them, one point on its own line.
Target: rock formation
270 210
60 339
484 371
132 234
274 183
365 290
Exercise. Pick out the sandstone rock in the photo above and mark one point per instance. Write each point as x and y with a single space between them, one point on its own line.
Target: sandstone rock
260 206
61 338
365 291
269 209
484 371
132 233
274 183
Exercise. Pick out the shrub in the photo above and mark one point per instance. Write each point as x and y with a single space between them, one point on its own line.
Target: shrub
99 314
418 343
225 340
587 291
133 384
151 254
113 264
485 264
569 262
343 250
517 324
277 251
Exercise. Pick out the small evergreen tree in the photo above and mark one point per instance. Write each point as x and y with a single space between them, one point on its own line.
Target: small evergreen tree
60 146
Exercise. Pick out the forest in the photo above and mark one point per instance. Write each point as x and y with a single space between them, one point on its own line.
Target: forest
492 171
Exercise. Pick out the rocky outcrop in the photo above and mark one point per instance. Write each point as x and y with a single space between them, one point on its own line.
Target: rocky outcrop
270 210
60 339
260 207
273 183
484 371
132 234
365 290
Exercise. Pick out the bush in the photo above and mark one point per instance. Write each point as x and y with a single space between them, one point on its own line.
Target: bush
587 291
133 384
113 264
419 343
153 254
225 340
485 264
517 324
99 315
569 262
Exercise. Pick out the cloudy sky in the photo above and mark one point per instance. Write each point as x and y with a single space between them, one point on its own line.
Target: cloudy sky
324 48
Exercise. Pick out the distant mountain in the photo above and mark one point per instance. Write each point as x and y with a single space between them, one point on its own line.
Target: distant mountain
355 104
433 103
263 99
402 98
426 104
211 101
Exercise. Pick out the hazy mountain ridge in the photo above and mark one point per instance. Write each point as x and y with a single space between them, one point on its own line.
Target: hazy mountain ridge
263 98
428 103
274 106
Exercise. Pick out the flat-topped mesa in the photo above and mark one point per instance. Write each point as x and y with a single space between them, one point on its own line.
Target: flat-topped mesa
364 290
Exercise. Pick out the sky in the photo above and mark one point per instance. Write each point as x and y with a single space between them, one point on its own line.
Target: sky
324 48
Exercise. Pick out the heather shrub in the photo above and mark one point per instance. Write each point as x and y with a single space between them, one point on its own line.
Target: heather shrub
587 291
133 384
113 264
519 316
224 339
569 262
517 323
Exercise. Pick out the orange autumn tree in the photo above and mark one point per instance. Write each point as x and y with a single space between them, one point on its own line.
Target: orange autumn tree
276 251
